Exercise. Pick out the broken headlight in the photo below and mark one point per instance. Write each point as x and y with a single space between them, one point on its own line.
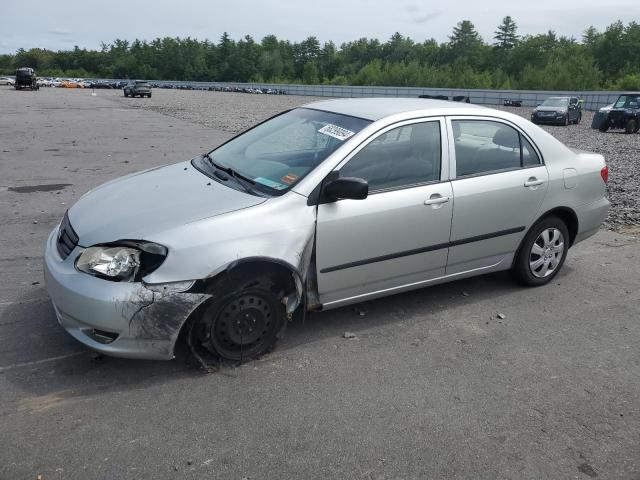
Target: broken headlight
126 261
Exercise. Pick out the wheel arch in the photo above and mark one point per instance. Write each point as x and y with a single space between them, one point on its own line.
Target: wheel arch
239 273
566 214
257 265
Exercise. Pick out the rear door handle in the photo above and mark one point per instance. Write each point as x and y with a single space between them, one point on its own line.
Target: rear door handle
533 182
436 199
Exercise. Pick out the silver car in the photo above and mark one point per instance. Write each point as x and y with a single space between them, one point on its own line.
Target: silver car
322 206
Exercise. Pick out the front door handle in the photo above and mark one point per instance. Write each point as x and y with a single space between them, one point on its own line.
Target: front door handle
533 182
436 199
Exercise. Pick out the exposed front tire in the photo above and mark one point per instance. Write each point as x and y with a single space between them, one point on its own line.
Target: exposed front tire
243 323
604 126
542 252
631 126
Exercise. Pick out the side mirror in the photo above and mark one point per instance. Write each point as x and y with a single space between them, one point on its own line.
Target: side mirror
350 188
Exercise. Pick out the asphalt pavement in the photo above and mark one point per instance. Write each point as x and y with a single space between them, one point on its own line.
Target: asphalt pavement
477 379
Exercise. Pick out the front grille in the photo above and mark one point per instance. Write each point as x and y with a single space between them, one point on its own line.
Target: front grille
67 237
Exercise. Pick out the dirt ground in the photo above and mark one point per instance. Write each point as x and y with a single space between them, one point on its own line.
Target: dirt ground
434 384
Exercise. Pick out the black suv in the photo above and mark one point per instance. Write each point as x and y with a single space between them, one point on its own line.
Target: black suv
137 88
624 114
26 78
558 111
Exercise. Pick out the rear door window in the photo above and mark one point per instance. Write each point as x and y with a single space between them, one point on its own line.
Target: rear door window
485 146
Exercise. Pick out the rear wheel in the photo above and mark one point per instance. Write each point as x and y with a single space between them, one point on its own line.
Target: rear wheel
244 324
631 126
542 252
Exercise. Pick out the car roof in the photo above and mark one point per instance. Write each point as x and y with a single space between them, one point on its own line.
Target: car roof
377 108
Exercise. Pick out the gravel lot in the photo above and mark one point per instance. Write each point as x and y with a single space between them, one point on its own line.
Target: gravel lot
234 112
477 379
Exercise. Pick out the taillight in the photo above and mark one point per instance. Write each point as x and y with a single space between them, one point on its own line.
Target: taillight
604 173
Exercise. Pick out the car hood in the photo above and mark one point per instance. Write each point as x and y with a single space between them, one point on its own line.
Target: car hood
148 202
550 109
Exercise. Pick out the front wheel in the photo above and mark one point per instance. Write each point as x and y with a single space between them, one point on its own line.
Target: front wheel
542 252
604 126
244 324
632 126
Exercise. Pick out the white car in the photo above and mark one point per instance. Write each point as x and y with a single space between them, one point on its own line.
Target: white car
7 81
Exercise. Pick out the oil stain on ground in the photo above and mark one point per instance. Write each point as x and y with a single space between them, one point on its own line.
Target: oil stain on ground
40 188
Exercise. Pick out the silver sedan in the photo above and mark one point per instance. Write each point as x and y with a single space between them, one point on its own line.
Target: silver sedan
322 206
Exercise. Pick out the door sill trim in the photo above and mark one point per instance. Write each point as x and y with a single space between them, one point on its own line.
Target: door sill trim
409 286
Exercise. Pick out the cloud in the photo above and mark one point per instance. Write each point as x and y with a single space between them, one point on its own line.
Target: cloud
60 32
417 17
427 17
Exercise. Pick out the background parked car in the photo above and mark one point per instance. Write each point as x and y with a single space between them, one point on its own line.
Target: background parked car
70 84
7 81
558 111
624 114
26 78
600 116
137 88
100 84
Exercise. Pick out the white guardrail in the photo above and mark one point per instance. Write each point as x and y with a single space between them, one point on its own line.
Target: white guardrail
593 100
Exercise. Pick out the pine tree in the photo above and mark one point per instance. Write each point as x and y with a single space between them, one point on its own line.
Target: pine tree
590 36
506 36
464 36
465 45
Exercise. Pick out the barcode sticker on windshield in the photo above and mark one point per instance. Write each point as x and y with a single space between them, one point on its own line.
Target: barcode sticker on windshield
336 132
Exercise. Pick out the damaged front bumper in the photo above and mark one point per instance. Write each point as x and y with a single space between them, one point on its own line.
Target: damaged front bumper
120 319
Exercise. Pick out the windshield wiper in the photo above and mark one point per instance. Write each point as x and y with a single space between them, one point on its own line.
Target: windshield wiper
238 177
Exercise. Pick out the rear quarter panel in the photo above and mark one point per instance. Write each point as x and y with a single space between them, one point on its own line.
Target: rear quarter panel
574 175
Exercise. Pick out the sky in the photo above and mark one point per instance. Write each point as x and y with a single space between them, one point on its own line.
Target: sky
59 25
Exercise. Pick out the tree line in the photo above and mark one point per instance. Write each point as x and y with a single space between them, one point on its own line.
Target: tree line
608 59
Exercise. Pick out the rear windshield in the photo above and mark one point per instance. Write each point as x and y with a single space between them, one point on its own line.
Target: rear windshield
278 153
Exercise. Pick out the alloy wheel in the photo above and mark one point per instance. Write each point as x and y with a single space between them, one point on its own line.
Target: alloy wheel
546 252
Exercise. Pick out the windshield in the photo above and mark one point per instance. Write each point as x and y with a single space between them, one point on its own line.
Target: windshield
278 153
628 101
555 102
